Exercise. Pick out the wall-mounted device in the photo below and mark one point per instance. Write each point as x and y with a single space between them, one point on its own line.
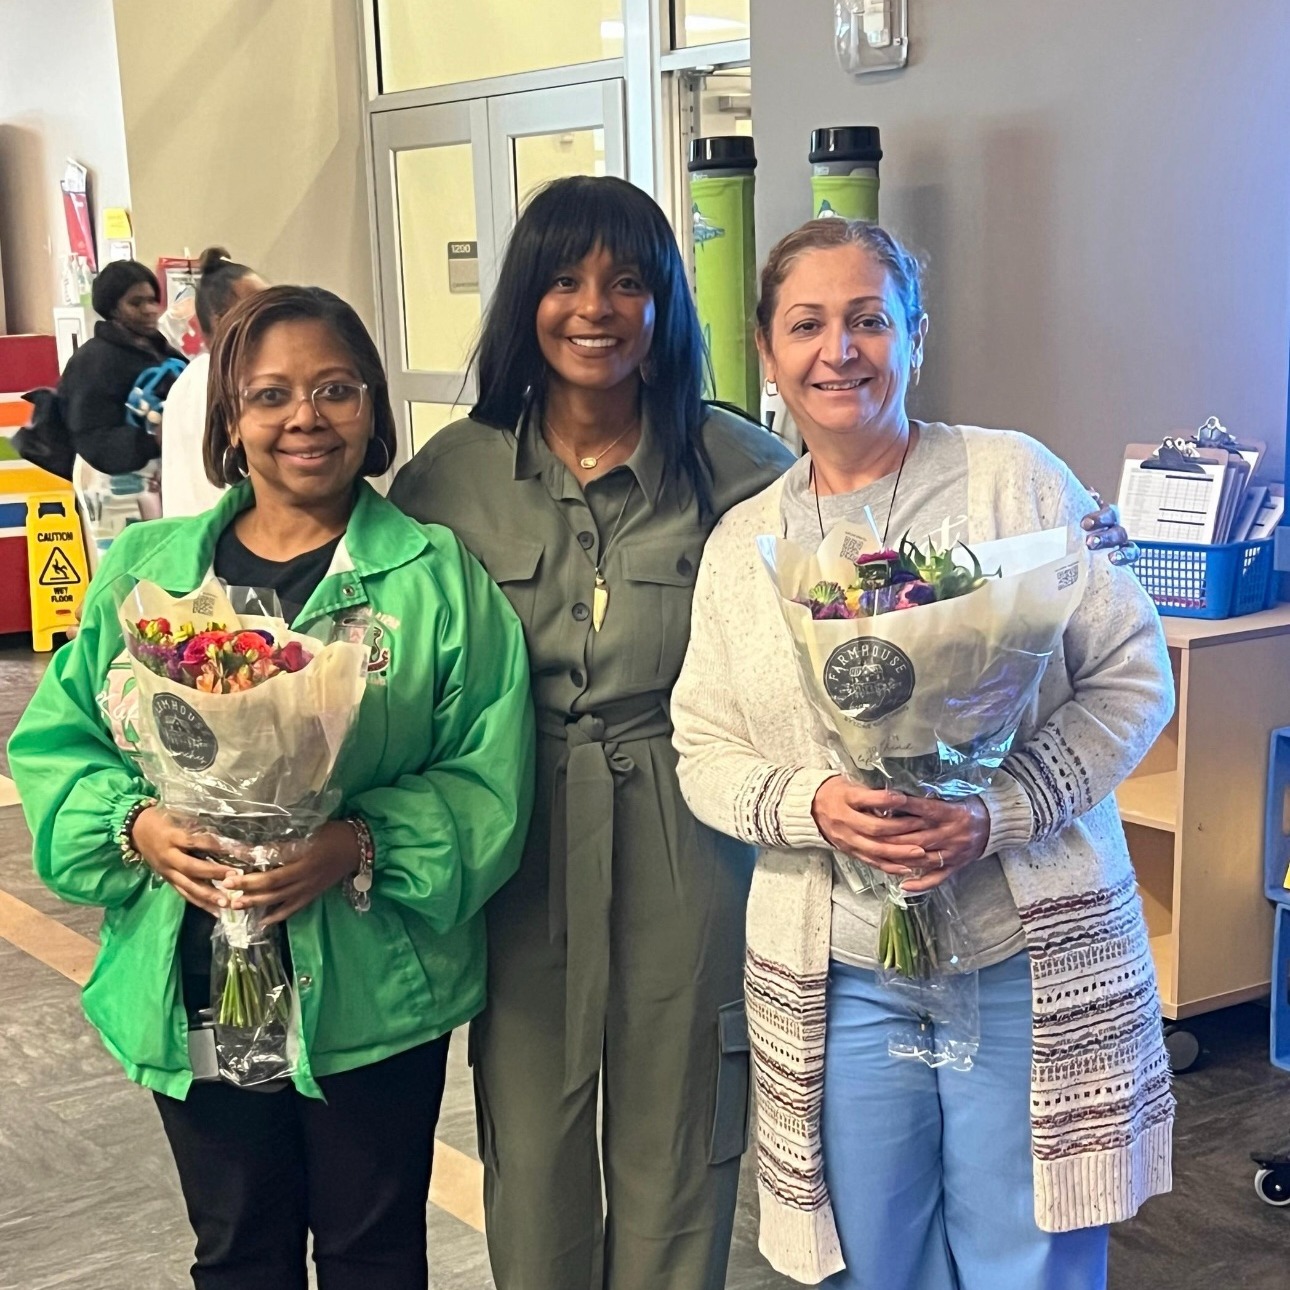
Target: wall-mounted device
871 35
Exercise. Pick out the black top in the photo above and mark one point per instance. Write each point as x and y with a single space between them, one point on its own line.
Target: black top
294 581
92 392
722 152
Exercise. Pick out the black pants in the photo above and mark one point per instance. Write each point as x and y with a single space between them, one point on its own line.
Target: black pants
259 1171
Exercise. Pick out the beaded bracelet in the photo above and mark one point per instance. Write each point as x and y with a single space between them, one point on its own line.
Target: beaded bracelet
358 885
125 834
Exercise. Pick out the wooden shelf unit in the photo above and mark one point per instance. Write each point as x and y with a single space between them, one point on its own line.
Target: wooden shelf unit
1193 811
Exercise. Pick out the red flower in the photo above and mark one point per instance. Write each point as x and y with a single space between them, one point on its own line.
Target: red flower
292 657
252 644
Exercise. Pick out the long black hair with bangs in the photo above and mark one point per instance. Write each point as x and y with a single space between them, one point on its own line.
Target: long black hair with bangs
564 222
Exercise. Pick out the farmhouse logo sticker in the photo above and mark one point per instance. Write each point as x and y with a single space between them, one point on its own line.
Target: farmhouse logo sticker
183 733
869 678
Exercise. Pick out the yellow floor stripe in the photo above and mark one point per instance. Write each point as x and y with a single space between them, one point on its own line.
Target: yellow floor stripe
46 939
8 791
457 1185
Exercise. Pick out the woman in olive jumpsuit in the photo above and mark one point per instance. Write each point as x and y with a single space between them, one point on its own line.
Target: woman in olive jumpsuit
586 480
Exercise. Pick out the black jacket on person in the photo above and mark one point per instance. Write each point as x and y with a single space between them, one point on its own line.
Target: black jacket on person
95 384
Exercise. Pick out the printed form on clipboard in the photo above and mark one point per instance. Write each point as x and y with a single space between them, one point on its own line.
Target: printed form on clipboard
1171 497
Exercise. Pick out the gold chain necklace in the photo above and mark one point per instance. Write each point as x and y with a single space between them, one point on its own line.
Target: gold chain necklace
587 462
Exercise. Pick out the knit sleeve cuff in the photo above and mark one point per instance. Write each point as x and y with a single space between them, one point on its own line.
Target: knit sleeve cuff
1012 819
796 823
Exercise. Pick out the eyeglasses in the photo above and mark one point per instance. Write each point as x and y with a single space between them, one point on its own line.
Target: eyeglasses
336 402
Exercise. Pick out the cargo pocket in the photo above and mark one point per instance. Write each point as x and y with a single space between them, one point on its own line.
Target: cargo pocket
730 1112
513 566
485 1139
660 581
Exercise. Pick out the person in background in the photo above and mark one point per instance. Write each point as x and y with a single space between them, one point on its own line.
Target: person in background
98 378
878 1172
116 466
185 489
436 785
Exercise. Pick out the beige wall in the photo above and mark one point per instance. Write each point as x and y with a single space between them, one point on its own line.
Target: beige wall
48 114
244 124
1102 192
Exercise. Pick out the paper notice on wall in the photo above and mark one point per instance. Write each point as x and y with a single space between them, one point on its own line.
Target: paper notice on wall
116 224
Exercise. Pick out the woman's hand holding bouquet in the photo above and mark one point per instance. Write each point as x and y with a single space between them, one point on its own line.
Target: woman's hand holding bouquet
920 840
300 871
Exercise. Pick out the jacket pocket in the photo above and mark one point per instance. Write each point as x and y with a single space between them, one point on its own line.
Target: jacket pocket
661 576
730 1110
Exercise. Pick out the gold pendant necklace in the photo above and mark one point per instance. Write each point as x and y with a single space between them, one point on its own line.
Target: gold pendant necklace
588 462
600 592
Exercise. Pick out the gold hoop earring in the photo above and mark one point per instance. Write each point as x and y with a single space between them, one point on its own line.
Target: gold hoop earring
770 388
238 468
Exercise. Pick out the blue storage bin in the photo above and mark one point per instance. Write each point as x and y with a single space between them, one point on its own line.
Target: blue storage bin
1276 841
1279 1032
1189 581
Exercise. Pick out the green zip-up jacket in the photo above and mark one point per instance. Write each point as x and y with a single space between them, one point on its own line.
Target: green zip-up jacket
440 765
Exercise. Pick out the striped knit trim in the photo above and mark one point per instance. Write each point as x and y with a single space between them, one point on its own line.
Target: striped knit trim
757 810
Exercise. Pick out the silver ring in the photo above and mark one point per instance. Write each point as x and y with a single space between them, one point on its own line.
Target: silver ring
940 859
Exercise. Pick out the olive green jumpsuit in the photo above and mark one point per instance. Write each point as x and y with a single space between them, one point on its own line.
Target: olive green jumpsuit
616 953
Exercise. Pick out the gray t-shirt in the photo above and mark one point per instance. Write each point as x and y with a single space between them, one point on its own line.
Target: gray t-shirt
932 500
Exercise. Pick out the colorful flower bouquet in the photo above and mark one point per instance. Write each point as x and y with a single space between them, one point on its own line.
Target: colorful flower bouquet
237 721
926 703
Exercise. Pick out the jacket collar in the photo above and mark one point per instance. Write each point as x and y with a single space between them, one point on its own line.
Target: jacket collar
115 334
379 538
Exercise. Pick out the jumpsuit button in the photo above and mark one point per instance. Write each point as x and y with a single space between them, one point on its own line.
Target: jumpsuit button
586 540
577 678
684 567
580 612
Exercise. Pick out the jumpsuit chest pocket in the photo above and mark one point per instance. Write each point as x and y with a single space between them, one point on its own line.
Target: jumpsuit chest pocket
514 567
660 576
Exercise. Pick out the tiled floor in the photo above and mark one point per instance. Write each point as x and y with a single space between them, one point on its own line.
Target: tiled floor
88 1196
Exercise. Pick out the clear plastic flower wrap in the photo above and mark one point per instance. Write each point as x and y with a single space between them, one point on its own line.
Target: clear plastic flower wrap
237 721
920 666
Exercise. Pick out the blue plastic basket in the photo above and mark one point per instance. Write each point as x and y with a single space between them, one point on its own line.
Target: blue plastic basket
1189 581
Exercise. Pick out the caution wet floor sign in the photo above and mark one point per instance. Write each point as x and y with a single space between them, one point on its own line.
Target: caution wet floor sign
56 566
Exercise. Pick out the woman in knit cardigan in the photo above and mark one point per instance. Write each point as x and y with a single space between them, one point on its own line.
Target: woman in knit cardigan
875 1171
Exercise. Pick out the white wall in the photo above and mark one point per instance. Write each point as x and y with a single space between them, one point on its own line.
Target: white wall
60 97
1102 193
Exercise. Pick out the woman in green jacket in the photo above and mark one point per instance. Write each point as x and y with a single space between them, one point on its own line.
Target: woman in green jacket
437 777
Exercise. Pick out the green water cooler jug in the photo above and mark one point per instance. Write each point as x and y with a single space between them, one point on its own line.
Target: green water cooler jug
725 262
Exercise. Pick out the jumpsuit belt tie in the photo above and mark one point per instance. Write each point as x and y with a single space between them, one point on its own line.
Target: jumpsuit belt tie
590 770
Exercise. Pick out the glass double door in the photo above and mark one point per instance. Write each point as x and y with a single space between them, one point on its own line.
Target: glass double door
451 179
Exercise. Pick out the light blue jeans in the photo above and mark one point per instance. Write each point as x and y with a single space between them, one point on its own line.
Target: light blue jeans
929 1171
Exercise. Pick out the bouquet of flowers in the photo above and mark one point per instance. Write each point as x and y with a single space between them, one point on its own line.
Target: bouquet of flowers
926 703
237 722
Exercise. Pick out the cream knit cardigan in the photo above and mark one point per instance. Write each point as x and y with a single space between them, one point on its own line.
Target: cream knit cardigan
1101 1106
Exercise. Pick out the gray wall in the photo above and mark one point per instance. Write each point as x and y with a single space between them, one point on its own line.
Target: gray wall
1102 195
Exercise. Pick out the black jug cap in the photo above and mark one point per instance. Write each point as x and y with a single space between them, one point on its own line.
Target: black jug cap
846 143
723 152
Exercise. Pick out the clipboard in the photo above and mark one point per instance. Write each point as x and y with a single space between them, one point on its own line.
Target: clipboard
1172 493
